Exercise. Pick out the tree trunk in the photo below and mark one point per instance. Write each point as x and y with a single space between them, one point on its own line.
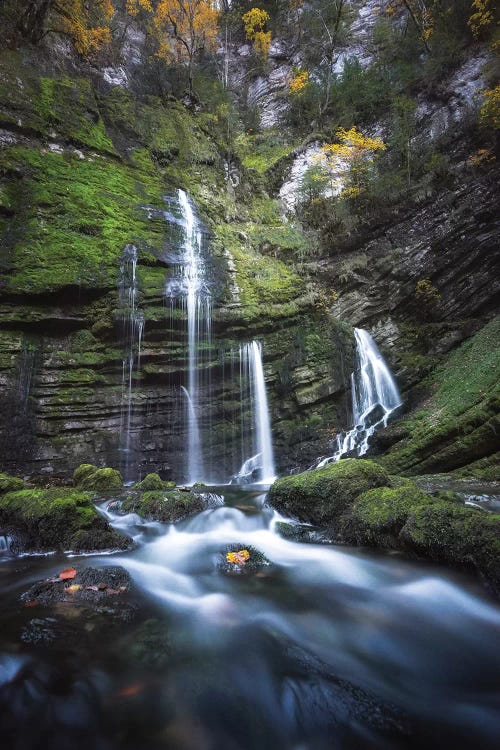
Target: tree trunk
32 19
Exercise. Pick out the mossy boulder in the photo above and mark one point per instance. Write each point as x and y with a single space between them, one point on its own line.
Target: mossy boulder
58 518
439 528
320 496
378 515
167 506
9 484
92 479
451 533
153 482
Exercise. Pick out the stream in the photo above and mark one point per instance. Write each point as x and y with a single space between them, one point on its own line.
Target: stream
325 647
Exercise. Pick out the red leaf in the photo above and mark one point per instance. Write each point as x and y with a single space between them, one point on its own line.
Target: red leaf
67 574
33 603
131 690
91 588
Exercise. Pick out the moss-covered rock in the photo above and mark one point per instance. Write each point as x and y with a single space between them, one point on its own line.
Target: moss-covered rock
322 495
152 482
58 518
83 472
241 560
99 480
10 484
166 506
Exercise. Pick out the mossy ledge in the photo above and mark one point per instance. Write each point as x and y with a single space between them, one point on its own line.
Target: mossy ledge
362 505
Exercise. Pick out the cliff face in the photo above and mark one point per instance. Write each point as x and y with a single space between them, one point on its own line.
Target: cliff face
87 170
88 165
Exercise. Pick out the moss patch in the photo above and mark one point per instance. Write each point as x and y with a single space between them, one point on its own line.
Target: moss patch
167 506
321 495
57 519
92 479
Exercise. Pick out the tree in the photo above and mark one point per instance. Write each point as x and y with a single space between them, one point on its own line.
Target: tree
481 18
421 14
255 21
351 154
85 23
185 29
403 112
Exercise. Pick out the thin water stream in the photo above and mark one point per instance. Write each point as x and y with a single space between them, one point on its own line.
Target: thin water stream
325 647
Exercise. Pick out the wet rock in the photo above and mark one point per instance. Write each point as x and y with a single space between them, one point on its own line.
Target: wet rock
99 590
152 482
166 506
321 495
57 518
241 560
296 532
90 478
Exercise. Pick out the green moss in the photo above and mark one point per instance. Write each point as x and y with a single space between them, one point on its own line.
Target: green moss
321 495
451 533
83 472
377 516
167 506
73 217
151 482
102 481
260 152
460 425
56 519
9 484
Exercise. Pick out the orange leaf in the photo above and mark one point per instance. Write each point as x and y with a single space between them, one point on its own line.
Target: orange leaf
32 603
131 690
73 589
238 558
67 574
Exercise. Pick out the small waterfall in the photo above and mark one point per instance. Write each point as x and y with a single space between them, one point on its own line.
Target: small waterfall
190 286
4 544
374 397
260 466
195 460
133 330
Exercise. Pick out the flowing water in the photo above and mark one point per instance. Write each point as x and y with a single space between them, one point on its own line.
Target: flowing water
375 397
325 647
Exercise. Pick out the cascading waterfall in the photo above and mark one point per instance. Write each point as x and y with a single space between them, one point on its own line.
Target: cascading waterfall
260 466
374 397
133 329
190 285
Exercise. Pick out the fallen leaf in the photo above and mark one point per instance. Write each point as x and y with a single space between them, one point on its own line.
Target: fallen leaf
91 588
238 558
102 586
112 591
32 603
73 589
122 589
131 690
67 574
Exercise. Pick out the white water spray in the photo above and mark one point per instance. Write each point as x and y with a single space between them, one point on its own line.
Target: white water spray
374 397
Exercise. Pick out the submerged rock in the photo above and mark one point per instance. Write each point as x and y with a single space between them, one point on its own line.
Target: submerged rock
241 559
321 495
99 589
58 518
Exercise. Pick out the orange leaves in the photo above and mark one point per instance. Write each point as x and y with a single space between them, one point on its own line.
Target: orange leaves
299 82
73 588
238 558
86 25
67 574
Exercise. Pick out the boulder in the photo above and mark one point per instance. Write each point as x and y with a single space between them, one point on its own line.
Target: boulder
90 478
320 496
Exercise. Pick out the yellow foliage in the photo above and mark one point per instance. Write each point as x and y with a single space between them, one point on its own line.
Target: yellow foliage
489 114
255 21
351 192
238 558
86 26
482 157
134 6
481 17
299 82
185 27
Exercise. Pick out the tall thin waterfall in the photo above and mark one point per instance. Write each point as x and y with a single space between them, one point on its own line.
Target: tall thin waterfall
133 329
259 467
374 397
190 286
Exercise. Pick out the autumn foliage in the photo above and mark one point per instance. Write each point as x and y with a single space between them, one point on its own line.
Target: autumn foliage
255 21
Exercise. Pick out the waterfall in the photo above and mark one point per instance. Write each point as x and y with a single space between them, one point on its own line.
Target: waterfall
195 465
374 397
190 286
133 329
260 466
